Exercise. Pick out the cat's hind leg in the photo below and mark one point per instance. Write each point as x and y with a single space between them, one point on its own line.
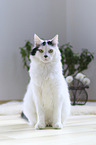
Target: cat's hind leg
30 114
29 109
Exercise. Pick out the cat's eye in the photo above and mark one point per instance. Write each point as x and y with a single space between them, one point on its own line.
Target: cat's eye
40 50
50 51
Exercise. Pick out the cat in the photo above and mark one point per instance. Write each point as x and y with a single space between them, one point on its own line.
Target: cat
47 100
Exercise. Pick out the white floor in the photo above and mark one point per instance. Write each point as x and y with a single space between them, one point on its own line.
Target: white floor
79 130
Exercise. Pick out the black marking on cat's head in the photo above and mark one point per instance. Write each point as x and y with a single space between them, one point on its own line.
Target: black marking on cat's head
44 43
34 50
50 43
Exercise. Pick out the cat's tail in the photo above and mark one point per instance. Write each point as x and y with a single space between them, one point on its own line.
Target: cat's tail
11 108
23 116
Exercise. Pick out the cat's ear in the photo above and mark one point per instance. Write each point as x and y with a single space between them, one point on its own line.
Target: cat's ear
37 40
55 40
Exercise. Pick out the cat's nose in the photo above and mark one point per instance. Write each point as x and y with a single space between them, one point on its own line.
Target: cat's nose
45 56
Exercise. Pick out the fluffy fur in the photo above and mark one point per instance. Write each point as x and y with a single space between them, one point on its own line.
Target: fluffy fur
46 101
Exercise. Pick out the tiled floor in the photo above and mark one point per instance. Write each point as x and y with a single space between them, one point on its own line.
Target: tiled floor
79 130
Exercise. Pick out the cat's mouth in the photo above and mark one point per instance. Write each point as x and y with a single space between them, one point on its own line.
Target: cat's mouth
46 60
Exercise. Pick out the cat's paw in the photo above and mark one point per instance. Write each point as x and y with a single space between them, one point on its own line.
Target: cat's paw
39 126
57 125
31 124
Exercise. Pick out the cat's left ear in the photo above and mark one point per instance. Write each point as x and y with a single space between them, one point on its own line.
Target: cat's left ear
55 40
37 40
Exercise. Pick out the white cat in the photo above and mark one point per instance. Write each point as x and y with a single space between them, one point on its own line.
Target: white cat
46 101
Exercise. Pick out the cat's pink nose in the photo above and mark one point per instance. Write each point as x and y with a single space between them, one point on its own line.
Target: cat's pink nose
45 56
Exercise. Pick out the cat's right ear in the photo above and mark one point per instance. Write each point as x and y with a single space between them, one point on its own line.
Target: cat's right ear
55 40
37 40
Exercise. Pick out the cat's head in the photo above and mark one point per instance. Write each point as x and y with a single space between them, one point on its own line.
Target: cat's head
44 50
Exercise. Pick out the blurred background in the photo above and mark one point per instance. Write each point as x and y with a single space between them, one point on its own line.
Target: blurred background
73 20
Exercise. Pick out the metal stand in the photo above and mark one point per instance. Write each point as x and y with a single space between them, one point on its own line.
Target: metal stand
78 93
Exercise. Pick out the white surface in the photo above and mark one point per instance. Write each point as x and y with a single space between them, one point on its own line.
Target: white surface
79 130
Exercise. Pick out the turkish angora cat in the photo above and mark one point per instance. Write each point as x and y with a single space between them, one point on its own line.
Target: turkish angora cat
46 102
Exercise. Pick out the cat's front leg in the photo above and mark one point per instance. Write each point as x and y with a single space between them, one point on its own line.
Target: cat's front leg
57 114
40 120
39 109
40 116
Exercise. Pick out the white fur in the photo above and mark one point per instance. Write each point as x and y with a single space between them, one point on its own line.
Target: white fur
46 101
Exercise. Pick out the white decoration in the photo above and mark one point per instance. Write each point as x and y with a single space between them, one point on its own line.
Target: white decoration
86 81
69 79
80 76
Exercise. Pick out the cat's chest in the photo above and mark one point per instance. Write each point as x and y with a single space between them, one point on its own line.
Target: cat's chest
43 75
46 80
47 94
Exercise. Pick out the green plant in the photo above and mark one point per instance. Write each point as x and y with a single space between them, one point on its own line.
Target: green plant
72 63
25 54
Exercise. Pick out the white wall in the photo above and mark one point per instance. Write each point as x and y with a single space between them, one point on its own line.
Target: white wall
19 20
81 32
